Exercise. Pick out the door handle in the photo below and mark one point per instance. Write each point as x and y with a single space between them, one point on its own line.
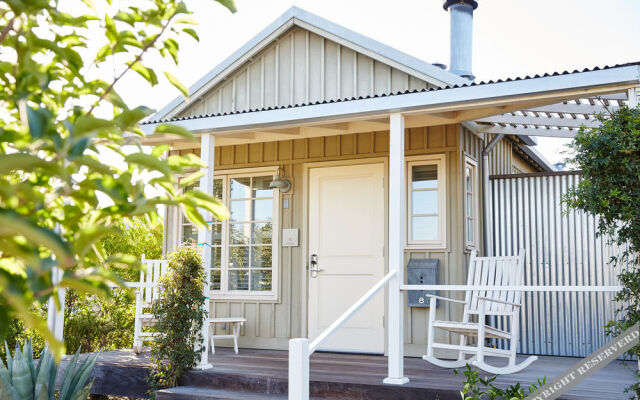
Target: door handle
313 266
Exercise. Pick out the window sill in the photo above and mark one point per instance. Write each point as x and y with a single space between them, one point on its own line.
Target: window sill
426 246
271 298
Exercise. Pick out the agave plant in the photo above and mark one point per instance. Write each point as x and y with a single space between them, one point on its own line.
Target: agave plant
21 379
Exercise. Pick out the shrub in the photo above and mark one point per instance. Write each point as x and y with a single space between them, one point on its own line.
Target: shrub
179 316
99 324
476 388
609 157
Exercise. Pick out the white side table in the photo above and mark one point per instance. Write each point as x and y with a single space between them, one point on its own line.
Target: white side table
235 322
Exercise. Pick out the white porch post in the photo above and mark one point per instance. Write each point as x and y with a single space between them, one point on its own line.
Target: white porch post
55 318
207 144
633 102
396 252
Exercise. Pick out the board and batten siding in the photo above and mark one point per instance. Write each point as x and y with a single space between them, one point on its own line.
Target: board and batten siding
270 324
302 67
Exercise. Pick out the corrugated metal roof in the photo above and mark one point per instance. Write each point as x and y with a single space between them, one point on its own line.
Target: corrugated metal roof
527 77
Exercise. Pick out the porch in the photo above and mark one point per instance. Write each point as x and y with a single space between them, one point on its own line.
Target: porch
257 374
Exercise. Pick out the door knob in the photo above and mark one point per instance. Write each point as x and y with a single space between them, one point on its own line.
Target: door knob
313 265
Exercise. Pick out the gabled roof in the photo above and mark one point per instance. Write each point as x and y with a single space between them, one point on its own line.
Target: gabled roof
304 19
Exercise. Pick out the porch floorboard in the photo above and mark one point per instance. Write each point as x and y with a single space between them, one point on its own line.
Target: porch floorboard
122 372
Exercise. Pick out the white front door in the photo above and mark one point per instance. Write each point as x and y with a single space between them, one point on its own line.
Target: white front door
346 235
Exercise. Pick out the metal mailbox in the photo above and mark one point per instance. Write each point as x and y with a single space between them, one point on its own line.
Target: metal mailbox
421 271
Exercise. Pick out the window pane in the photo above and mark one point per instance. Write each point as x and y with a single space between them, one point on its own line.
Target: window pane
469 230
238 280
261 257
217 188
261 186
469 205
189 234
216 234
262 233
424 228
240 210
424 177
469 179
424 202
263 210
216 257
215 279
240 233
239 257
261 280
240 188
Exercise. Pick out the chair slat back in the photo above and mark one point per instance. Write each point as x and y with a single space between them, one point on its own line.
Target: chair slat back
499 272
149 276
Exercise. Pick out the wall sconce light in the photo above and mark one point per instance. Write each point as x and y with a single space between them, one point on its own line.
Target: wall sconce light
279 183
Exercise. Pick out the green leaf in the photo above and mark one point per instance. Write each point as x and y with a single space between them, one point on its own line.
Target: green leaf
146 73
192 33
21 225
89 123
229 4
174 129
149 162
176 83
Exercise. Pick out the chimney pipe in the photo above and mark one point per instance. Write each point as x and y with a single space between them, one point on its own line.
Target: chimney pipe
461 12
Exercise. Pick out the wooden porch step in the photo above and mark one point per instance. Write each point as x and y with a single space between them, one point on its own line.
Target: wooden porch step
198 393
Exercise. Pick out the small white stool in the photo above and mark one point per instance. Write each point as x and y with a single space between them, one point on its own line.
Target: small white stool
235 323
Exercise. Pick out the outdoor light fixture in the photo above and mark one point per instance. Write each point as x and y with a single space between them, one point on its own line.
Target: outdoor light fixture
279 183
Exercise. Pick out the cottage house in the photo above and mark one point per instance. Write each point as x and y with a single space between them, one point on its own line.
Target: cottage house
342 160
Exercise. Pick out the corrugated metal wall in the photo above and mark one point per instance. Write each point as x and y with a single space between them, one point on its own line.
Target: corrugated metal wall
562 249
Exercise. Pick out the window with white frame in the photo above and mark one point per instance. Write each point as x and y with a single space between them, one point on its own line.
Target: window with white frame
470 202
426 207
243 247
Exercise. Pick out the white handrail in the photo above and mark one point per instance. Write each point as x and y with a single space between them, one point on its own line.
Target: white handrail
349 313
300 349
518 288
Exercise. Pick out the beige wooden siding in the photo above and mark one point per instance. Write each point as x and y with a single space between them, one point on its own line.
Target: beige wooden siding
271 324
521 166
302 67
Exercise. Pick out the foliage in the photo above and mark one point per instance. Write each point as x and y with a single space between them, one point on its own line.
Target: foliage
179 315
99 324
19 334
57 117
476 388
134 237
609 157
21 379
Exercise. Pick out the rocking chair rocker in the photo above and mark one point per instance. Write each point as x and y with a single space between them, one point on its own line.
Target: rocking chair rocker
505 304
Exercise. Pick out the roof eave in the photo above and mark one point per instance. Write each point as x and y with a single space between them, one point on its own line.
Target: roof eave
490 94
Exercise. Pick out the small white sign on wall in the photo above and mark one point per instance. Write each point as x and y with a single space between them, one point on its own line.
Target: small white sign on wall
289 237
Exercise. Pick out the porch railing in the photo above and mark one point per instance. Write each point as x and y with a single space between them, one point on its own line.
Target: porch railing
301 349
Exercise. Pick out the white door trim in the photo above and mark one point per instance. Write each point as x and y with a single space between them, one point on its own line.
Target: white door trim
304 276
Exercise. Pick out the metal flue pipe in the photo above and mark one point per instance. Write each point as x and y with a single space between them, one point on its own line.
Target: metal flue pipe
461 41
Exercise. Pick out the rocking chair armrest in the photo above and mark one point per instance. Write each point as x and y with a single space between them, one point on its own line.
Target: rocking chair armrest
446 299
500 301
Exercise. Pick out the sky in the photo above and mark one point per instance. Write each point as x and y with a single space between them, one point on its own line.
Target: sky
511 37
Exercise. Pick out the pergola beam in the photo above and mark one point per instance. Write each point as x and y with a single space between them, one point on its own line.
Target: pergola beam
563 108
541 121
521 131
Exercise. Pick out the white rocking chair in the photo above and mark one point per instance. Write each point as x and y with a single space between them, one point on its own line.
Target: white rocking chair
504 304
146 292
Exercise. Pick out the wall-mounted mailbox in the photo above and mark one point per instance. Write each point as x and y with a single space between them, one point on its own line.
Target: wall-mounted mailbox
421 271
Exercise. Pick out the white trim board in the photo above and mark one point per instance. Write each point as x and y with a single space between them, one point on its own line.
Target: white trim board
550 88
323 27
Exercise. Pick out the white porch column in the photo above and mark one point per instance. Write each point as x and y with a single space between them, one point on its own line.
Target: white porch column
396 251
207 144
55 317
633 102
